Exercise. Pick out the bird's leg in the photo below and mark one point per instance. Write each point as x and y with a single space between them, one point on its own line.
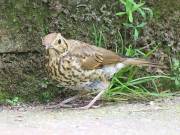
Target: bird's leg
70 99
64 103
98 96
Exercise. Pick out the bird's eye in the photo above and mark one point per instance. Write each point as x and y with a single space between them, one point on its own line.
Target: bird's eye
59 41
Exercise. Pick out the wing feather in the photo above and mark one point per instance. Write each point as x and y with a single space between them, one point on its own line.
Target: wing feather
92 57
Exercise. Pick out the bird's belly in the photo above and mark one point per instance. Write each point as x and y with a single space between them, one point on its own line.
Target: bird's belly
94 82
96 85
70 74
110 70
80 79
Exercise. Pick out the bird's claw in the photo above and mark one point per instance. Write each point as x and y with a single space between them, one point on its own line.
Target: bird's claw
59 106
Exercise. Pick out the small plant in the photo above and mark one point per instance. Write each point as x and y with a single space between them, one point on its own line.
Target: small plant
44 83
131 9
130 88
130 52
46 96
133 52
14 101
98 37
135 28
130 84
175 68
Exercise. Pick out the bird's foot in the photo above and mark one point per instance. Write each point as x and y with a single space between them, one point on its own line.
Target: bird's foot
63 104
60 105
90 105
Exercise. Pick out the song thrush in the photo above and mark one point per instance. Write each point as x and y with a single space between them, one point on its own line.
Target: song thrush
80 66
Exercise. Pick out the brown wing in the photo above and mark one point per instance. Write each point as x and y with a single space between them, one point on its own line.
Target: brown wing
92 57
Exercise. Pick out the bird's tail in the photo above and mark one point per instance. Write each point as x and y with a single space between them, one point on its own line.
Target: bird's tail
141 62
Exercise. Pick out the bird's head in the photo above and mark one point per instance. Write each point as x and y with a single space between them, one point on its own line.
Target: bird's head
55 41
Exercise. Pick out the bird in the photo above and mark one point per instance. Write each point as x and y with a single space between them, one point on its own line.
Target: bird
77 65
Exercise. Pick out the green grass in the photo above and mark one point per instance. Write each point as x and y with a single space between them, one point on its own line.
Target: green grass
131 87
98 37
125 85
133 83
128 84
134 23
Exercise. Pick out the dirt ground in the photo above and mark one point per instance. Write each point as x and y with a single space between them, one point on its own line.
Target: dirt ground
153 118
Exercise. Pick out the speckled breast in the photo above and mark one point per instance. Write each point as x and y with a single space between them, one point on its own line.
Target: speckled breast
68 72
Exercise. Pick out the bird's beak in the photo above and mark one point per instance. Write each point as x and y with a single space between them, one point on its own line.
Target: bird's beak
46 44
